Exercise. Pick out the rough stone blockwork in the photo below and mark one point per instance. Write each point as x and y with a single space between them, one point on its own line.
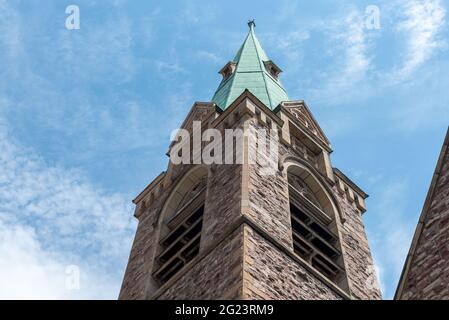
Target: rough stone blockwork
217 276
270 274
270 204
136 275
137 280
268 197
357 254
428 277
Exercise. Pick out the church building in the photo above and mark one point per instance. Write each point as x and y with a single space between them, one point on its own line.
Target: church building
238 231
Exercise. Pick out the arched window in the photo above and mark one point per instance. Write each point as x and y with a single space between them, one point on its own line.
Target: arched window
315 237
182 221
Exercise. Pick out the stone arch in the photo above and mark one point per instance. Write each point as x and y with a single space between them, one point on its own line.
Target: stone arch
321 195
185 189
315 184
188 186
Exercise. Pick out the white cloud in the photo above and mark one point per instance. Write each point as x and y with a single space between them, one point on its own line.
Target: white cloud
52 217
26 270
168 66
421 22
95 47
288 41
347 45
352 55
209 56
192 14
30 272
353 38
61 97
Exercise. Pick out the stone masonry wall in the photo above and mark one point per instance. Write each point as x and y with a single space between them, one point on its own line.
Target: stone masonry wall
139 266
224 195
233 191
217 276
270 274
428 277
133 285
268 196
222 202
270 208
222 207
357 255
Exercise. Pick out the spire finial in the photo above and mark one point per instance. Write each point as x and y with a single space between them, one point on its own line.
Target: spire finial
251 24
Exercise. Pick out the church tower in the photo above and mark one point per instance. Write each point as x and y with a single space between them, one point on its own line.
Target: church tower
270 220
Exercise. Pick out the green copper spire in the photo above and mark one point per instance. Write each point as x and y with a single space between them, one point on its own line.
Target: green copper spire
251 69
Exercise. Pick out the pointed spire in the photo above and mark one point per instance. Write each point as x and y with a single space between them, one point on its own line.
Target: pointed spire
251 69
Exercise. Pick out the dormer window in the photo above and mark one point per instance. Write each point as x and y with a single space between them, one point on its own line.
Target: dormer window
272 69
228 70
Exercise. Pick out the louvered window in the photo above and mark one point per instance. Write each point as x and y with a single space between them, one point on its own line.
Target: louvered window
182 242
313 238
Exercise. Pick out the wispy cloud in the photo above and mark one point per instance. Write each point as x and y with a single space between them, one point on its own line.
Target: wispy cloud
428 106
347 45
193 13
53 217
350 37
96 48
62 96
168 67
357 71
353 40
421 22
210 57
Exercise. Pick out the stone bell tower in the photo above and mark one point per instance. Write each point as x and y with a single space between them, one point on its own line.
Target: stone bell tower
280 224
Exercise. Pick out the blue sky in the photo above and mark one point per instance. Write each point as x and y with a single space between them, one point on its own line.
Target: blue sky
85 117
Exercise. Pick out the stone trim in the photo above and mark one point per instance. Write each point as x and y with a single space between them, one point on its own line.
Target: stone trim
198 107
256 104
150 187
284 159
246 221
351 183
354 194
319 142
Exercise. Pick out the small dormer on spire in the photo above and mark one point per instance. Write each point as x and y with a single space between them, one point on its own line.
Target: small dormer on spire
228 70
272 69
